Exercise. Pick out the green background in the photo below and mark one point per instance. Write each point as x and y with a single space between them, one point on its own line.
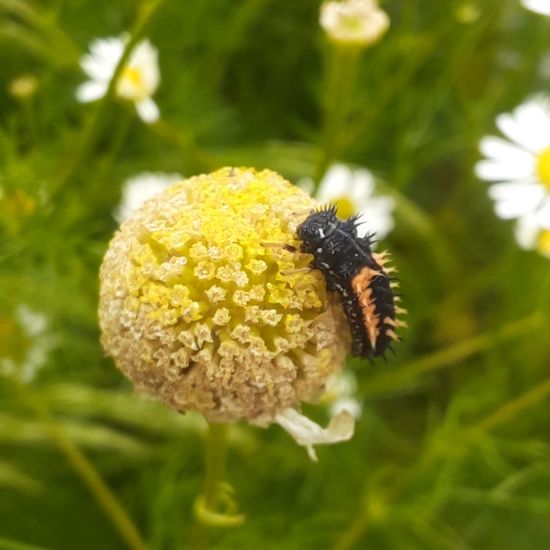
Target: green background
452 450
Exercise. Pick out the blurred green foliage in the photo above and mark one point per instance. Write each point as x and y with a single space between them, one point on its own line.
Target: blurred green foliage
452 450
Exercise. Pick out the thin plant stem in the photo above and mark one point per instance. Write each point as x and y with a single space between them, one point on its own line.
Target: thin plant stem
83 468
340 81
216 447
215 506
462 437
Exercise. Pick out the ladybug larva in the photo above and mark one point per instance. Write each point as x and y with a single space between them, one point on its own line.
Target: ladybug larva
357 275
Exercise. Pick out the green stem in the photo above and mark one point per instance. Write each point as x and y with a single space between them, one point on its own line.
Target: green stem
216 447
215 506
340 80
84 469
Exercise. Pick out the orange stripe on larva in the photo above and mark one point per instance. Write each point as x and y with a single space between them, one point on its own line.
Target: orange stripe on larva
360 285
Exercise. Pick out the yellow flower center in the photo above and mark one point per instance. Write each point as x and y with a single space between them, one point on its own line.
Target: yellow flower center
345 207
543 242
543 167
131 84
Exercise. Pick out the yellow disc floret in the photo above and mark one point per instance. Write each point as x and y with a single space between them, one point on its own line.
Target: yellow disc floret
543 167
194 309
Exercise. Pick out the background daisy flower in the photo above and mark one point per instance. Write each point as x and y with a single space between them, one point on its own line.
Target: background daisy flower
138 81
137 189
538 6
352 191
520 168
354 22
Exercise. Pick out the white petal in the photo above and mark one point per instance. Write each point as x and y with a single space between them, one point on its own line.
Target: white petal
144 58
346 404
147 110
105 53
538 6
307 433
491 170
526 232
377 217
362 186
336 183
90 91
504 152
528 125
513 200
543 213
138 189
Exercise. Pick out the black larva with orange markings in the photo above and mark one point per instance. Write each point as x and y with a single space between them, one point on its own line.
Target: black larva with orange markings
357 275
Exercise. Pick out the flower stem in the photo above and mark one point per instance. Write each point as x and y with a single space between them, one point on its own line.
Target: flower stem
215 507
216 447
340 80
84 469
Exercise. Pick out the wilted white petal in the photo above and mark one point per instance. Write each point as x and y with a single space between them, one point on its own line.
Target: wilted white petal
90 91
346 404
538 6
307 433
148 110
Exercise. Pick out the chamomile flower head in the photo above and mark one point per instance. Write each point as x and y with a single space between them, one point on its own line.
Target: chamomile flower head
538 6
356 23
519 170
137 189
352 190
138 81
195 309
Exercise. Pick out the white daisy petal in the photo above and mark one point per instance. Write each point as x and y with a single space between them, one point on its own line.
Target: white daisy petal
105 53
307 433
513 200
526 232
362 186
145 59
543 213
377 217
538 6
336 183
491 170
528 125
148 110
138 189
505 152
90 91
